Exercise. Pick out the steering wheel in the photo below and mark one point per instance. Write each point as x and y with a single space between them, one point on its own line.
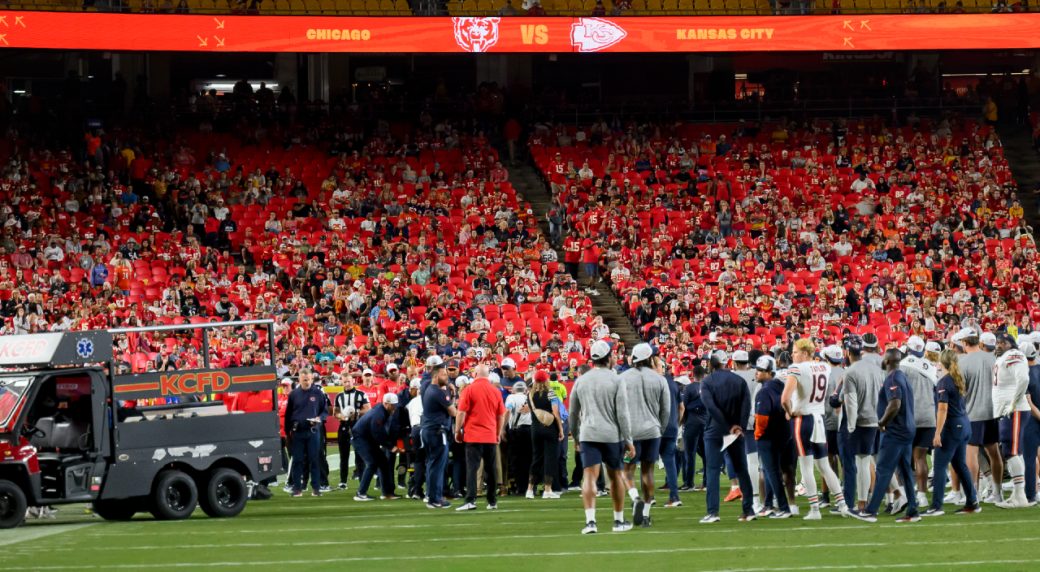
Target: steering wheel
33 431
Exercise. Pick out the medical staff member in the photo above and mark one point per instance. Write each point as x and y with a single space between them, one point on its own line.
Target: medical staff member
436 430
304 419
896 423
952 430
772 431
728 403
371 433
693 417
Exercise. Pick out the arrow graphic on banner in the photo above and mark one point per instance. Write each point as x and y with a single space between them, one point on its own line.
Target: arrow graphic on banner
18 21
3 20
220 23
220 41
846 25
203 42
3 38
848 43
864 25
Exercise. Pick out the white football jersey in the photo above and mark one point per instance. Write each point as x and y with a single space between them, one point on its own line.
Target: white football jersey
811 391
1010 381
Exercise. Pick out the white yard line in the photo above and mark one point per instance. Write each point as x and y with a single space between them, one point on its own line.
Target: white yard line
498 555
26 533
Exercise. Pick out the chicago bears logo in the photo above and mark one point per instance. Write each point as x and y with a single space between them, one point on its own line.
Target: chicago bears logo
595 34
476 34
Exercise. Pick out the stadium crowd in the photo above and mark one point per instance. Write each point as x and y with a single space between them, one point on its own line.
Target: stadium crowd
412 289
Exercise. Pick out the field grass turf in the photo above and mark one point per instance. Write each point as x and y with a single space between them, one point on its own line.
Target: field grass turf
335 533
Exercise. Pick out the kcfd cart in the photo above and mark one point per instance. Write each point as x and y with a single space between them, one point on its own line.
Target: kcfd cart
73 429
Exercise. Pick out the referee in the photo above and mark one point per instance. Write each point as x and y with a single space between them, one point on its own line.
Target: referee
350 405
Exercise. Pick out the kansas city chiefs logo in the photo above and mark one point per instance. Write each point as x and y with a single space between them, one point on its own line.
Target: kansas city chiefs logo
476 34
595 34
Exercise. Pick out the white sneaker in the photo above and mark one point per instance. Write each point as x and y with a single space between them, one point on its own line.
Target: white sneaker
1013 502
794 510
814 514
492 507
993 498
529 495
622 526
710 519
922 499
590 528
467 506
673 504
757 507
951 496
899 504
550 495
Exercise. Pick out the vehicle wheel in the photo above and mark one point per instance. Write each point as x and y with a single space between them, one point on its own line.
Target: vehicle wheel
119 509
225 494
174 496
12 505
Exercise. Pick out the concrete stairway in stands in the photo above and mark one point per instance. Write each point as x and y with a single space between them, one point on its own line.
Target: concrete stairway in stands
1025 166
531 187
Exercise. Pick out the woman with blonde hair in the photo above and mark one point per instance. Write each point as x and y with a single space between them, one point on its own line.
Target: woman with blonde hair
952 429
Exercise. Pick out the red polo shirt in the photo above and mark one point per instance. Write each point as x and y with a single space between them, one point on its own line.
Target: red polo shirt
483 406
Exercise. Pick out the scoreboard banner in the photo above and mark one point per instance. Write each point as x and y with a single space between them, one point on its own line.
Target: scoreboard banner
197 33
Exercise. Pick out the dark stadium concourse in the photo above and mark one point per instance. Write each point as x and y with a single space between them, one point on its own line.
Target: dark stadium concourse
706 86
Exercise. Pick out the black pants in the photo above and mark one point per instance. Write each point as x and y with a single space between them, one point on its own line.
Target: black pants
343 440
520 456
418 480
475 453
545 449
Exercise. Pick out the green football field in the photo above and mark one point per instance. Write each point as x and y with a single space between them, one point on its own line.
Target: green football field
336 533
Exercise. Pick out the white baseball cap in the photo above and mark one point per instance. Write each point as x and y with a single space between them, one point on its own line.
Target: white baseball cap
461 380
932 347
740 356
963 333
719 355
391 366
368 372
642 352
519 386
833 353
390 399
765 363
988 339
508 362
915 344
1028 348
682 380
600 349
286 381
434 361
416 383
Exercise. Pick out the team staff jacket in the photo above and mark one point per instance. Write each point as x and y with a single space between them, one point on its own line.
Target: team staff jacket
901 427
728 402
375 426
770 419
691 398
304 405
